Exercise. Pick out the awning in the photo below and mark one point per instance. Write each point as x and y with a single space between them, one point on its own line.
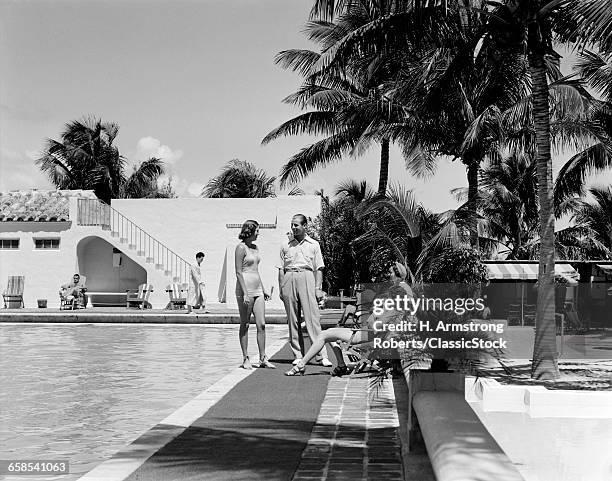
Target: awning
525 271
607 268
513 271
565 270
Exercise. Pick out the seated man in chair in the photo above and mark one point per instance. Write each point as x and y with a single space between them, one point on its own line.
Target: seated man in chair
73 293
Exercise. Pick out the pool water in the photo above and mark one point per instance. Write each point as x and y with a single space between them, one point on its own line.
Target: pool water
553 448
82 392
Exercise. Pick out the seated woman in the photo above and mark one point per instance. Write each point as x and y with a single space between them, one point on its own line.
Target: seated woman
397 275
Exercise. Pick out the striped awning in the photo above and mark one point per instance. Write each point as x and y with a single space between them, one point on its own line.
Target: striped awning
513 271
565 270
607 268
524 271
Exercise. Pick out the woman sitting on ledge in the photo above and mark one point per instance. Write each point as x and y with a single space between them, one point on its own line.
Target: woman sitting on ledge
397 275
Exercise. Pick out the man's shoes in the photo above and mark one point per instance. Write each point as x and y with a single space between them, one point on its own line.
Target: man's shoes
325 362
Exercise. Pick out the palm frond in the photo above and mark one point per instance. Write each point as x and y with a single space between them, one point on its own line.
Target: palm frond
318 154
572 176
311 123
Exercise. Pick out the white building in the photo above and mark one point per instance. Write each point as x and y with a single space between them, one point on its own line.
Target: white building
47 236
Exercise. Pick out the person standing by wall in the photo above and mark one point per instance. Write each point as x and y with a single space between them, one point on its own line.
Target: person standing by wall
300 280
250 293
197 292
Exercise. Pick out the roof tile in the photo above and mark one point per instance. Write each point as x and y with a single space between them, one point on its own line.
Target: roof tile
37 205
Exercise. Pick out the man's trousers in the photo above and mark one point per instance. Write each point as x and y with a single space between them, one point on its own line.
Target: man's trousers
298 291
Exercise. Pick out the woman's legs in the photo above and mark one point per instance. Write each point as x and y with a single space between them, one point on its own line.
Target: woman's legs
243 334
337 350
259 310
329 335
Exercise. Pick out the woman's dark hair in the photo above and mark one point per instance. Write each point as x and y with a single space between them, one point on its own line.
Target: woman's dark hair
199 254
248 229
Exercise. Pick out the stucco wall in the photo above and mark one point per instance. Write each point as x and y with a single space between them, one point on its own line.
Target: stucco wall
190 225
184 225
44 270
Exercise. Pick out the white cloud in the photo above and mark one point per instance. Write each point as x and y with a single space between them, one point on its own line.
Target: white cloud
151 147
17 171
195 189
182 187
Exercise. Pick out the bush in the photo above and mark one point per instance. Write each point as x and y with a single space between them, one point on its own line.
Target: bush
457 265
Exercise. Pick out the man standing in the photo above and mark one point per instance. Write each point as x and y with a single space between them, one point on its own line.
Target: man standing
300 280
197 296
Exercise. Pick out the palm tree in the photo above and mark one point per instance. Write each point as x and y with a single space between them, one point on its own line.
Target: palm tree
338 225
401 228
239 178
352 189
592 230
529 26
508 204
351 109
86 158
596 69
449 99
513 27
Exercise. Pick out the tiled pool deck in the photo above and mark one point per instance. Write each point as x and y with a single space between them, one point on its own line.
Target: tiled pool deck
356 435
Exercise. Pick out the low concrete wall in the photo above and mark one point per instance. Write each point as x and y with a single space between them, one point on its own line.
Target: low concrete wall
459 446
537 401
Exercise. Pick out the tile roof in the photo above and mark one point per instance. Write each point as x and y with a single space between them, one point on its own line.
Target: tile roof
37 205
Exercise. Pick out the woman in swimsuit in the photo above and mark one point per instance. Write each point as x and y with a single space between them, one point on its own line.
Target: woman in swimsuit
250 293
397 275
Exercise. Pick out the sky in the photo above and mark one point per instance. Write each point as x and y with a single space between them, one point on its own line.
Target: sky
192 82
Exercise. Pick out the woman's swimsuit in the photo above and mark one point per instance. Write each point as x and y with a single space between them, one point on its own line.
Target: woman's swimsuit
250 273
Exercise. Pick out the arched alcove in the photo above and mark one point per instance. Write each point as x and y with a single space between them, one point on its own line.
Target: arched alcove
104 272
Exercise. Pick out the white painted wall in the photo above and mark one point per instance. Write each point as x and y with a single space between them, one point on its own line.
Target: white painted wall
190 225
184 225
44 270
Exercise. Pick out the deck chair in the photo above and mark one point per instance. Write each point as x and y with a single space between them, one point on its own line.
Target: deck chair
529 314
178 295
514 315
139 298
353 312
14 291
75 302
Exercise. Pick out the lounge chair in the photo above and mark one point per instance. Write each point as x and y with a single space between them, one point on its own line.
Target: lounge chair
178 295
74 302
353 312
14 291
139 298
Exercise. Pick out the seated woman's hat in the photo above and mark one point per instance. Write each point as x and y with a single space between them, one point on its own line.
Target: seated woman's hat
402 270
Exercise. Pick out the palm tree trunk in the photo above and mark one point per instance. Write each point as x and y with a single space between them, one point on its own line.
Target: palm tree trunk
545 346
384 168
472 176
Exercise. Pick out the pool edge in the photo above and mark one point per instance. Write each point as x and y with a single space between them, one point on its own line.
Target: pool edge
124 462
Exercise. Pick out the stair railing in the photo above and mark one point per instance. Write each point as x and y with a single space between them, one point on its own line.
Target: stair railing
93 212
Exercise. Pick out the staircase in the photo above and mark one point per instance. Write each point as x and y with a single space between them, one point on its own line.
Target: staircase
93 212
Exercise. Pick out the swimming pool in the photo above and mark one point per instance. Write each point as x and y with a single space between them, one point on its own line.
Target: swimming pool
553 448
82 392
